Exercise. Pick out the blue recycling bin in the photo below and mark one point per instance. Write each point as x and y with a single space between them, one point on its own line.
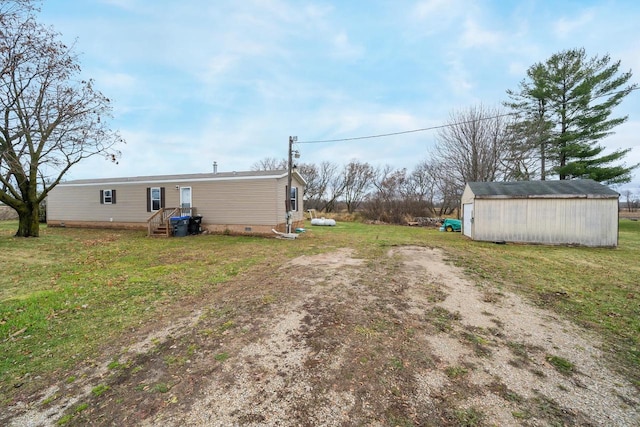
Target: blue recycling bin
180 225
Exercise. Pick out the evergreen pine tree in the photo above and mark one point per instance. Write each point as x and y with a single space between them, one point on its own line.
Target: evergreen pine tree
566 106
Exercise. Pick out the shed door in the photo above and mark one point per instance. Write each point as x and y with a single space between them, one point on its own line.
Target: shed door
467 218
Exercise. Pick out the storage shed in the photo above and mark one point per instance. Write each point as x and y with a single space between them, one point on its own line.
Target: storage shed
252 202
568 212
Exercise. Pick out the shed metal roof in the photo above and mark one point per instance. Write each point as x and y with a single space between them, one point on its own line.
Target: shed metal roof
540 189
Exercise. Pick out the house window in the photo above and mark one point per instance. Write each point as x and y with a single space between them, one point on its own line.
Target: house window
107 197
155 198
294 199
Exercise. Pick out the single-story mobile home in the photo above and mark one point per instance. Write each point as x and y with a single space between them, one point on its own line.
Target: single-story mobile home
229 202
568 212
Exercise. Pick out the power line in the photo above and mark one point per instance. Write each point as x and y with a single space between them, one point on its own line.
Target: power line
383 135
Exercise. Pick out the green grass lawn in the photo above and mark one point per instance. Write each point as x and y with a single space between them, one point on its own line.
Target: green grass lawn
70 292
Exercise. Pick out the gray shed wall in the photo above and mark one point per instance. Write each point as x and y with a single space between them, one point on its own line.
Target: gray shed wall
580 221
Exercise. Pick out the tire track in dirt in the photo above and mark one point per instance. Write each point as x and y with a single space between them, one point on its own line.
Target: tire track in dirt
519 338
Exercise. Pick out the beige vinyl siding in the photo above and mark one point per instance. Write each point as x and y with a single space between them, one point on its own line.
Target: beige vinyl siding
236 202
256 202
582 221
298 215
82 203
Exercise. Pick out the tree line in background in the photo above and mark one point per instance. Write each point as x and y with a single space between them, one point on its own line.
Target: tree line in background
377 193
552 127
629 201
430 189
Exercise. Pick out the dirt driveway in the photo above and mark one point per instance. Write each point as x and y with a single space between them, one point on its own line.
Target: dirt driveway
336 340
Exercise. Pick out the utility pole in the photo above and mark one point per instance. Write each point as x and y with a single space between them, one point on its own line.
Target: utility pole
289 215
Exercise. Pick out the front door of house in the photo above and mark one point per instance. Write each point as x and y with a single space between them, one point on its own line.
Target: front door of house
185 200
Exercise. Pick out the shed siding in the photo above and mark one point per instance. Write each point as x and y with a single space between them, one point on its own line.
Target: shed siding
467 196
582 221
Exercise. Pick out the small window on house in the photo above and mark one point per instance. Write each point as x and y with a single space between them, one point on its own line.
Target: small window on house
107 197
294 198
155 199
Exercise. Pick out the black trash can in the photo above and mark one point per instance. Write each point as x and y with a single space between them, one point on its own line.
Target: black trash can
180 225
195 223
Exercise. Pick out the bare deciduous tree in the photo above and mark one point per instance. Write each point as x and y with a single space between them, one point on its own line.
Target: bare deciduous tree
447 192
270 164
49 120
522 156
400 196
474 146
389 203
357 179
630 200
323 186
423 186
335 190
309 172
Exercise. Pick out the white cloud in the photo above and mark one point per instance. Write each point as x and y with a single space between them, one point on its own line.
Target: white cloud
432 10
475 36
457 76
625 136
518 69
437 18
629 58
218 66
564 27
343 48
116 81
427 8
122 4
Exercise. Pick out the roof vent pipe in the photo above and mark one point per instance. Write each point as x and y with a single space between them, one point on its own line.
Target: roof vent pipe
215 168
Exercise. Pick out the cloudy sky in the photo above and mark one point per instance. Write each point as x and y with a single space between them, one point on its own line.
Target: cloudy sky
198 81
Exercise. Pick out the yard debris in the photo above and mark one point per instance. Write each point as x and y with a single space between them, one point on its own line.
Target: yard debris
21 331
425 221
280 235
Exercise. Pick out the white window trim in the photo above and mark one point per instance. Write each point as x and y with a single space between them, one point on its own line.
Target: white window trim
159 199
293 199
104 197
